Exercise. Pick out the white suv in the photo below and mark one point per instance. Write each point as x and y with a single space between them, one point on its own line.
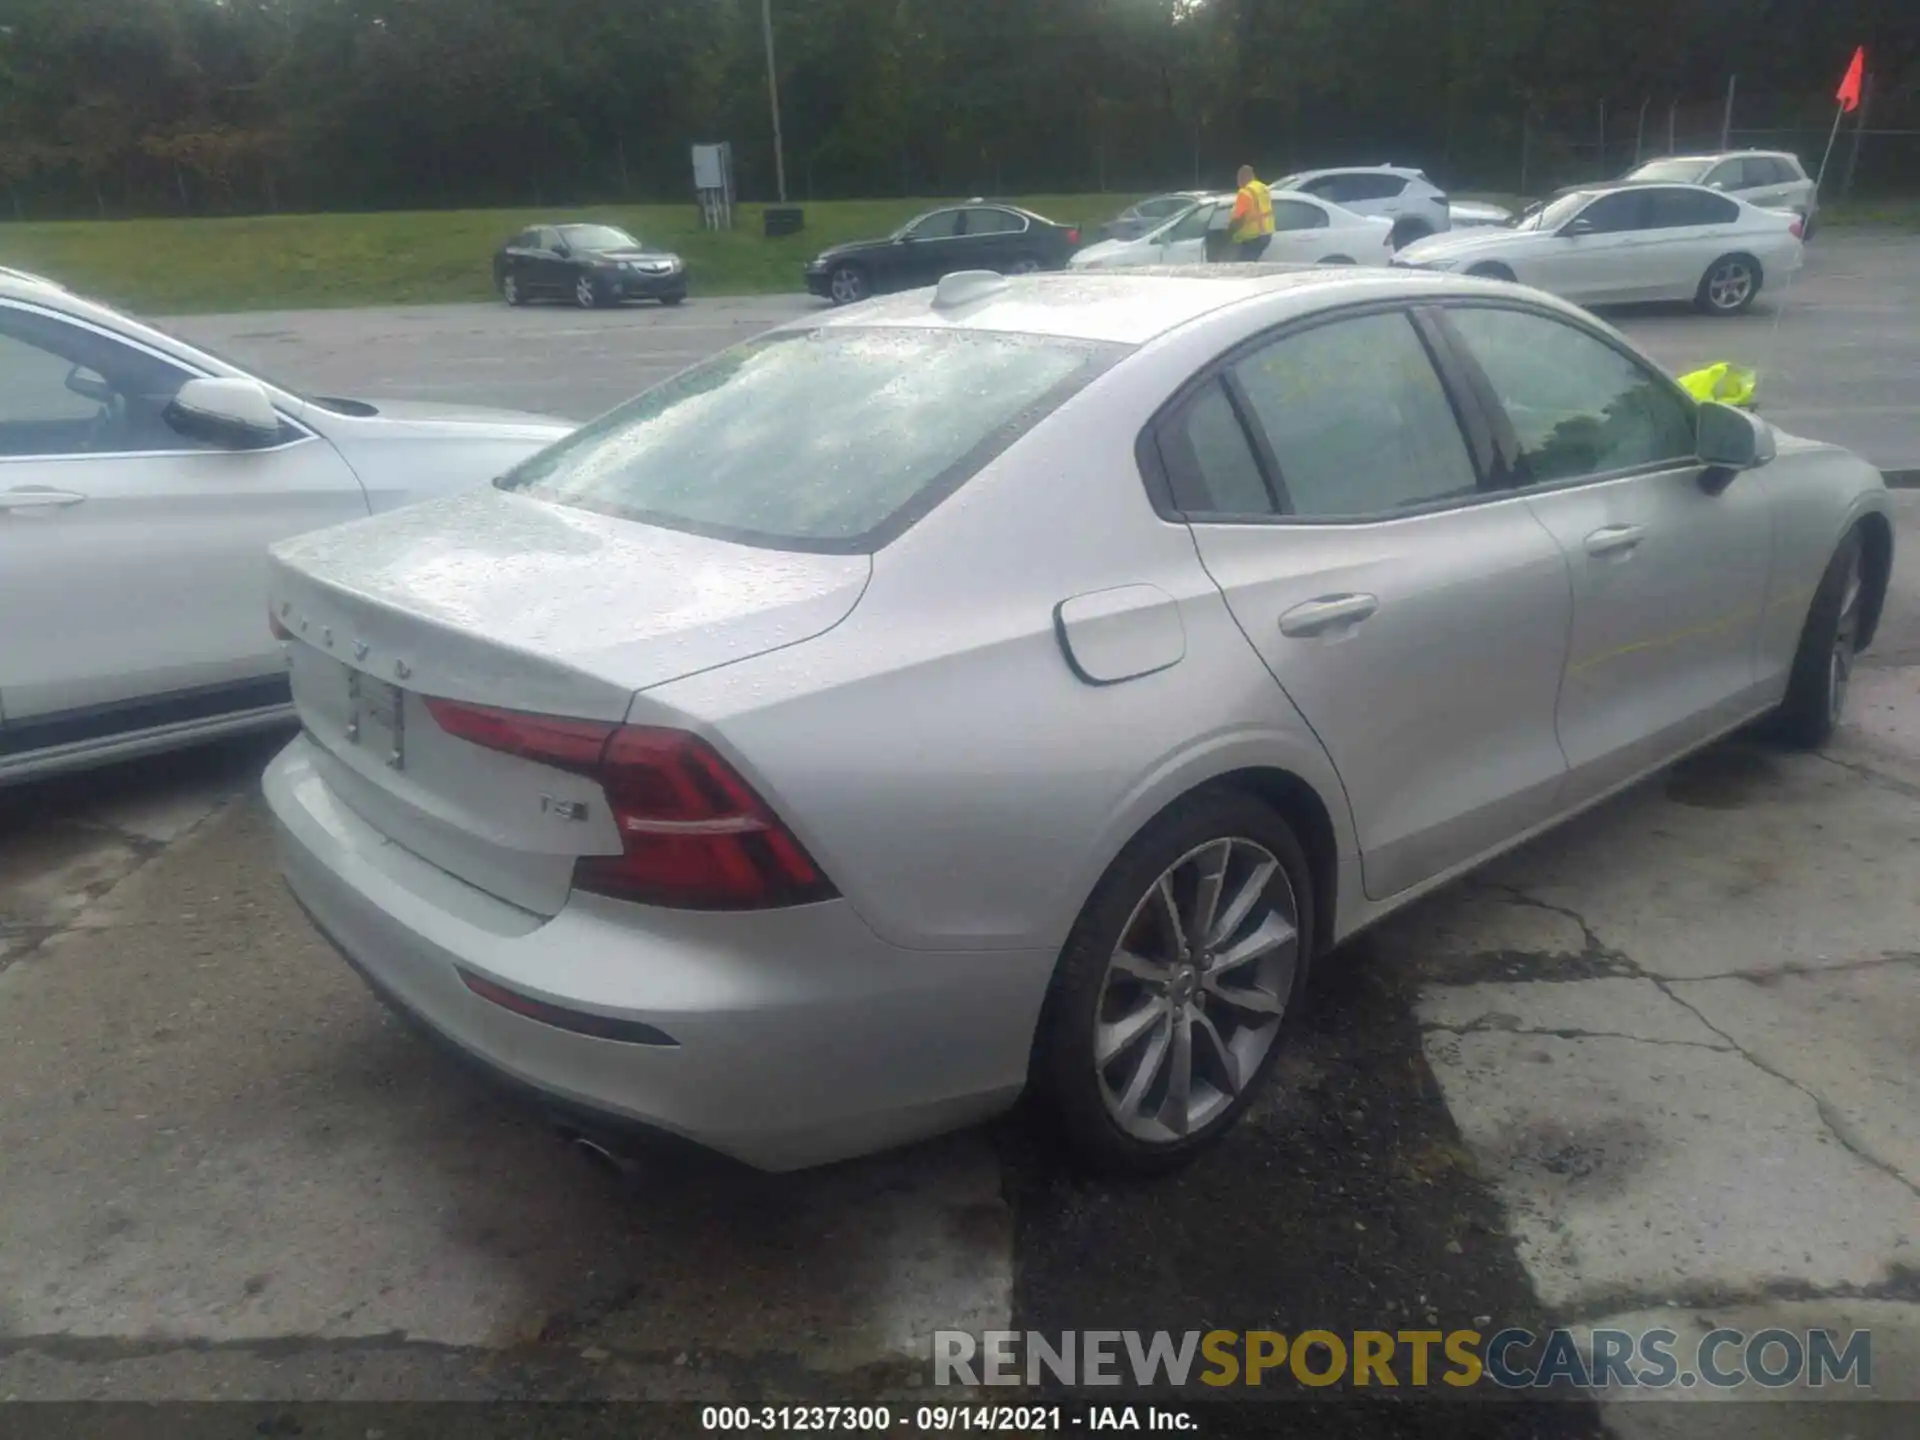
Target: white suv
1416 206
1771 179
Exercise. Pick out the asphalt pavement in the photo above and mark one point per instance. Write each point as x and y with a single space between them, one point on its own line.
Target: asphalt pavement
1656 1067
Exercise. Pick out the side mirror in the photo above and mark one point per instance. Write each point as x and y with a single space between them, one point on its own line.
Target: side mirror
1729 440
1582 226
231 413
89 385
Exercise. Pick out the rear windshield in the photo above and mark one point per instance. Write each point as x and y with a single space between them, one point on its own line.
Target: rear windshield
832 439
1683 172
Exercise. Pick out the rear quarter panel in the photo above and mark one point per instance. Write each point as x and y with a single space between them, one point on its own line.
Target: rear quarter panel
936 752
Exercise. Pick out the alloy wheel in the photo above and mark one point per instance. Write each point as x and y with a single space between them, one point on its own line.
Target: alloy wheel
847 285
1730 285
1196 990
510 289
584 295
1023 266
1846 634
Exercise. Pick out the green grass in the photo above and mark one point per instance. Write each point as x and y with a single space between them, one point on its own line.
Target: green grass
1873 214
404 257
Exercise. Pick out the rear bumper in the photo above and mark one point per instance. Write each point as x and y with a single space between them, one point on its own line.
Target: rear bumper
799 1037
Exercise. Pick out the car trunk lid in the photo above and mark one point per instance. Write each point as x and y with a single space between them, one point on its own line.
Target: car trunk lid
505 601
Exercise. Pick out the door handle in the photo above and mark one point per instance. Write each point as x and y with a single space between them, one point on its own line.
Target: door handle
37 497
1615 539
1316 617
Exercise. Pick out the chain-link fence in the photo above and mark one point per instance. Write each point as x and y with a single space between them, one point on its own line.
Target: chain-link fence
1874 152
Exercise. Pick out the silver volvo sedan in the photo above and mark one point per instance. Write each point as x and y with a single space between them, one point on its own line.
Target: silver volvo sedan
1022 683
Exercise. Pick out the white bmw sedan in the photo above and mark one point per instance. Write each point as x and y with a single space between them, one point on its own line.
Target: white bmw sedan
1628 244
1306 231
1026 682
141 482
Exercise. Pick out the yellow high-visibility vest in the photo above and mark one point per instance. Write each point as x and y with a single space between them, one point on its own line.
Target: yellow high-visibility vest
1729 384
1258 219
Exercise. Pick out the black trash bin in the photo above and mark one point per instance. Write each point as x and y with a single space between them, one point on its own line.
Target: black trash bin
784 220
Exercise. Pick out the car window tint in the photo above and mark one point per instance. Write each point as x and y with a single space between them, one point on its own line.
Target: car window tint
1610 214
1371 187
1727 175
525 240
1578 406
1211 460
1191 226
1298 215
1356 419
1163 207
941 225
815 439
1669 209
68 390
993 222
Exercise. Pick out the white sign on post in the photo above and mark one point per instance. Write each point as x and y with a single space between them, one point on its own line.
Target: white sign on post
713 182
709 169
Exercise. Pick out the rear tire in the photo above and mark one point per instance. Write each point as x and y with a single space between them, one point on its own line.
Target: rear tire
1731 285
1025 265
1816 696
1162 999
672 299
510 290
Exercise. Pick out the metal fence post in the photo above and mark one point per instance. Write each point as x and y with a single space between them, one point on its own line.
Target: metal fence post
1859 129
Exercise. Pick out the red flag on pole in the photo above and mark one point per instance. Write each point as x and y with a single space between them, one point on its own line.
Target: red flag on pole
1849 92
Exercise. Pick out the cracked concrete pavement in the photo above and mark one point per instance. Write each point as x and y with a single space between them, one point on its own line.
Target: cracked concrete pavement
1675 1043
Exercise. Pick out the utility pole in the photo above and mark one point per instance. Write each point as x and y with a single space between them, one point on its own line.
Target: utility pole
1640 130
1726 121
773 99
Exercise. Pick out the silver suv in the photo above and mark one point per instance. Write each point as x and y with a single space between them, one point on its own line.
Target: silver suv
1772 179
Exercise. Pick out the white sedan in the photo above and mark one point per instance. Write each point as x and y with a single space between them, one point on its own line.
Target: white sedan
1631 243
141 482
1306 231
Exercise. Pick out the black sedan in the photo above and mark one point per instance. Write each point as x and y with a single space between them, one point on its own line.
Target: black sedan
590 265
977 235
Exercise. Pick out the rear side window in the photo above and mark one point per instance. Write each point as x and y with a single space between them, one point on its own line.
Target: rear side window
1670 209
1211 461
833 439
1365 187
1355 419
1578 406
994 222
941 225
1298 215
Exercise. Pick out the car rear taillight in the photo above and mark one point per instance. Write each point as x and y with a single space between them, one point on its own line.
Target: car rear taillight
1073 236
693 834
1798 228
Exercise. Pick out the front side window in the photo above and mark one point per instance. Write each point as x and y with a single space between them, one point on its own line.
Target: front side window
1191 226
1578 407
830 439
1356 419
68 390
1681 172
940 225
1611 214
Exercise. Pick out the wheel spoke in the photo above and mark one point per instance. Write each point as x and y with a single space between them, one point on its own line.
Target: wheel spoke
1141 967
1212 865
1170 916
1152 1059
1244 899
1272 933
1116 1035
1179 1076
1250 998
1228 1061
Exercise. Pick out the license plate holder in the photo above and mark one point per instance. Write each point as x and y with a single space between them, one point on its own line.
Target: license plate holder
376 719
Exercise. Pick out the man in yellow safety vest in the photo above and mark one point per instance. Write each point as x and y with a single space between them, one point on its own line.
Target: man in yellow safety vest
1250 227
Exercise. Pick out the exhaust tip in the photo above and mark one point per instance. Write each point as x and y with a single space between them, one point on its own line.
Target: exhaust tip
611 1161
